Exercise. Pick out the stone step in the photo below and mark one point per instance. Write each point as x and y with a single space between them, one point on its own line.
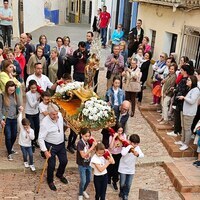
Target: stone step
184 176
146 106
190 196
168 141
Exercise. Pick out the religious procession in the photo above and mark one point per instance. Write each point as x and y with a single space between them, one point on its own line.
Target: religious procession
47 91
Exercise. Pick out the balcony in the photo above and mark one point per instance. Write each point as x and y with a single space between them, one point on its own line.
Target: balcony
188 4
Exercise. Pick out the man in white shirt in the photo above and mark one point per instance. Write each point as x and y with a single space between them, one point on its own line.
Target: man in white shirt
6 18
52 135
41 79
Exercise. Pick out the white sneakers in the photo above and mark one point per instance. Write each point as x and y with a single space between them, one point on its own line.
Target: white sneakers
172 134
32 167
85 194
80 197
183 147
26 165
179 143
10 158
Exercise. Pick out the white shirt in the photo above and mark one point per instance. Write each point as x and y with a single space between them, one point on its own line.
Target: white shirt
100 161
128 160
42 81
51 132
42 108
32 103
24 137
116 103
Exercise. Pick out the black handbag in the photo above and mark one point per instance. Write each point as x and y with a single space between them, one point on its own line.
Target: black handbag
108 74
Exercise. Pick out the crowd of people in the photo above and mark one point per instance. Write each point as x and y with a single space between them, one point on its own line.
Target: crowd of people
41 68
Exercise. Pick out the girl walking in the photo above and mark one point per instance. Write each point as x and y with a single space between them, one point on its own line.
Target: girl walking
26 135
32 109
100 164
83 162
115 147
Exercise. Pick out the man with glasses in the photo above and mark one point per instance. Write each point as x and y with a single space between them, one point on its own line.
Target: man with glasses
6 17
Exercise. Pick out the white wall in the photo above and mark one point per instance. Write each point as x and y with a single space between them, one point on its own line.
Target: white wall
33 15
163 20
62 11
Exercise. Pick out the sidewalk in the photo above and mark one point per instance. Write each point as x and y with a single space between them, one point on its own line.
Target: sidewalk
184 176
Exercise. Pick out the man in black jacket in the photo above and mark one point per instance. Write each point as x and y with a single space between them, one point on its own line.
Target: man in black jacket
135 38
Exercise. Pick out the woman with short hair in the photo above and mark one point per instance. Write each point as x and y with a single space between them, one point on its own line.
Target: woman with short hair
38 57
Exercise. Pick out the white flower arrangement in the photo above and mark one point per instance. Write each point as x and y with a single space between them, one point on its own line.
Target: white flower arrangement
68 87
96 110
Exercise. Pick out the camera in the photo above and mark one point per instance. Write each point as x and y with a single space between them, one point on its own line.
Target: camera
79 54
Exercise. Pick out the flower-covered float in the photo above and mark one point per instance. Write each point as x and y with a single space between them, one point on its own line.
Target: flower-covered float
81 107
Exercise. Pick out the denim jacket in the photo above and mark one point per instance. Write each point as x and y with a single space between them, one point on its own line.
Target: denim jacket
110 97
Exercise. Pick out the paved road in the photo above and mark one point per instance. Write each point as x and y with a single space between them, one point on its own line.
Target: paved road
17 183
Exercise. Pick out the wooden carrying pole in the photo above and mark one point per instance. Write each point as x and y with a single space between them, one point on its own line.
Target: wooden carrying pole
43 170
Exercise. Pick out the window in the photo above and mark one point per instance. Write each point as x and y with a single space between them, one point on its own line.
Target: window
83 7
90 12
191 45
153 39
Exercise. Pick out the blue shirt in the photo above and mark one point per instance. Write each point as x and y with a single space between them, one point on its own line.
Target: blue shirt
6 13
117 36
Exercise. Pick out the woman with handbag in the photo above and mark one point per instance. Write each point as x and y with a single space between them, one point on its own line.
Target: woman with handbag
131 83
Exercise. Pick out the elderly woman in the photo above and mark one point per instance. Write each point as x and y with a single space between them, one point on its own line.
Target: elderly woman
38 57
53 66
131 83
158 69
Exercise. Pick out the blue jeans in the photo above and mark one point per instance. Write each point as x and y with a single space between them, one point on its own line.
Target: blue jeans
100 184
27 151
103 32
125 184
85 177
10 134
35 124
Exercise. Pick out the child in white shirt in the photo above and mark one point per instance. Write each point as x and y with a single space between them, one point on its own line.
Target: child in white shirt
100 163
44 105
26 135
127 165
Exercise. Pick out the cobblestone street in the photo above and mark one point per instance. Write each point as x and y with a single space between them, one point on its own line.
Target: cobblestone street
22 185
18 183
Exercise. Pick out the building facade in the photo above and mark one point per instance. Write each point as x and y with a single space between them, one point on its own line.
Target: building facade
24 19
172 26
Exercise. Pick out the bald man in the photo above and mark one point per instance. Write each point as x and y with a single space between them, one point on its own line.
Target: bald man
124 114
52 135
123 119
